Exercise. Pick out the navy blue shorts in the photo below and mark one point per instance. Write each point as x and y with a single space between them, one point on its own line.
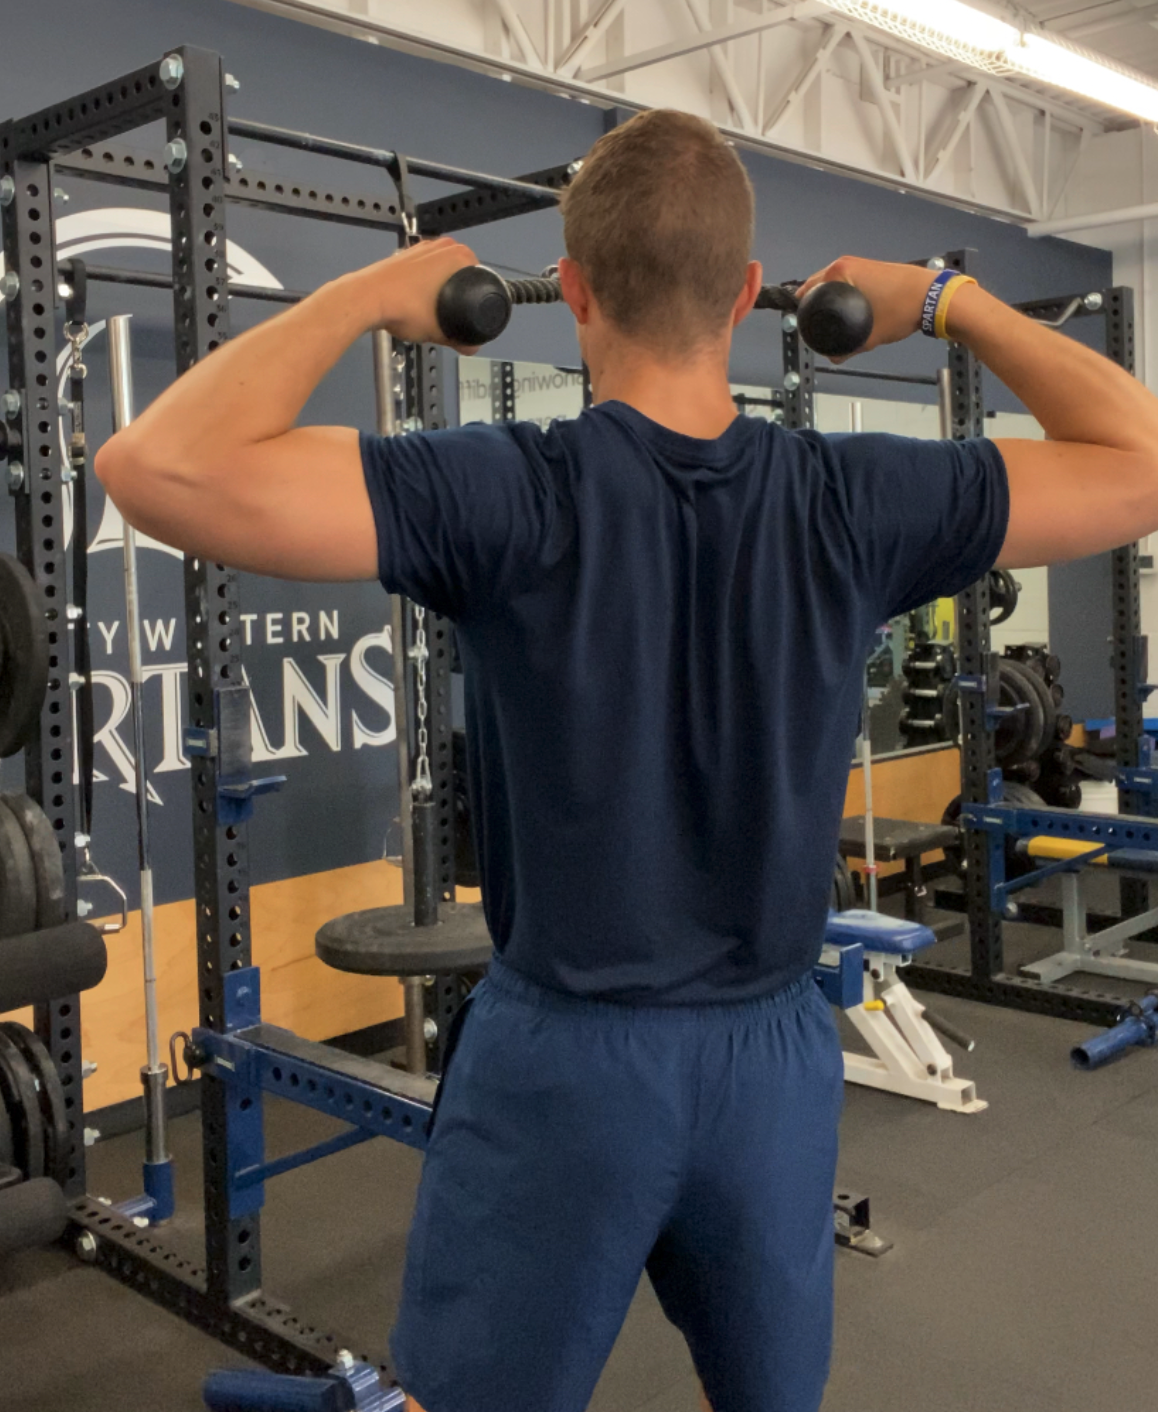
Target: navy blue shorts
578 1143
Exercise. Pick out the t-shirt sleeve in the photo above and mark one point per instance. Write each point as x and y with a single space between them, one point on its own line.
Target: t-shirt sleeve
462 515
925 519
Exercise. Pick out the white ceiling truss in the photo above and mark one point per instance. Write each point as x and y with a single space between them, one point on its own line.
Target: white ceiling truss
789 76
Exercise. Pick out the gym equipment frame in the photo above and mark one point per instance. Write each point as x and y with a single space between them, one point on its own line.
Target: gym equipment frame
240 1058
187 89
986 978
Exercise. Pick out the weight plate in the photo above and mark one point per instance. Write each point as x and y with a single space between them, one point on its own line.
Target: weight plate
7 1141
18 1090
1061 761
955 852
50 1090
843 888
1048 707
1002 596
17 877
1017 865
1018 735
1022 796
24 639
47 863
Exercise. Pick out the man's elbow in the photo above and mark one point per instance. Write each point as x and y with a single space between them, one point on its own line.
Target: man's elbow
111 463
134 477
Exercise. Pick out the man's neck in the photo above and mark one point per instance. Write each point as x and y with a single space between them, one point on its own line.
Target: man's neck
693 398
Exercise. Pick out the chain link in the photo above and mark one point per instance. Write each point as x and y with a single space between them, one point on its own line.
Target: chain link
77 335
423 786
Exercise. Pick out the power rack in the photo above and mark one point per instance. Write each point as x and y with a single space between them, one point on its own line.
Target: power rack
987 894
986 898
187 89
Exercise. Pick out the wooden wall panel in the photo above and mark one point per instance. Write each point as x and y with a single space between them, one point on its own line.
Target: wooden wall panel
298 991
916 787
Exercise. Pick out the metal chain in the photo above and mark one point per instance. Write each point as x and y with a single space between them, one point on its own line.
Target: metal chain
77 335
422 786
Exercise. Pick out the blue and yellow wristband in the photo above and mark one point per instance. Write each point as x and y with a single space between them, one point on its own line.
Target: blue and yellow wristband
935 313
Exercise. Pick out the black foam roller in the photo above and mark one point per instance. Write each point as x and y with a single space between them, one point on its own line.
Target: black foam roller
33 1213
41 966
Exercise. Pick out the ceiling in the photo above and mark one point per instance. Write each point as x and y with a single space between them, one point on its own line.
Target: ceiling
1125 31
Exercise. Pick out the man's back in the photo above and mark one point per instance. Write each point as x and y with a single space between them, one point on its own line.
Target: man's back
662 639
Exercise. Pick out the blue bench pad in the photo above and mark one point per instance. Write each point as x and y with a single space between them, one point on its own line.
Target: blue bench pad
875 932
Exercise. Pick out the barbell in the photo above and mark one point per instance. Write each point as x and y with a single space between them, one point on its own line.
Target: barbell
474 306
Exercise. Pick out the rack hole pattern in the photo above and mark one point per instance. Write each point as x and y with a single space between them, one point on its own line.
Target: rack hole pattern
345 1101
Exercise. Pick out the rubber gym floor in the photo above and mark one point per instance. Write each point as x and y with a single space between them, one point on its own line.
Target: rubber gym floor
1022 1279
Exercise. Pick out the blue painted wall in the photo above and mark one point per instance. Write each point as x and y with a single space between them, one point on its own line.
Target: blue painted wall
340 802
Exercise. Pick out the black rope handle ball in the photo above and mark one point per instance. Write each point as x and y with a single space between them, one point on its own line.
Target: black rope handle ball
474 307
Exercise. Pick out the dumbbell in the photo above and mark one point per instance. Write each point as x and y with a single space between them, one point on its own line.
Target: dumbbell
908 724
474 307
912 694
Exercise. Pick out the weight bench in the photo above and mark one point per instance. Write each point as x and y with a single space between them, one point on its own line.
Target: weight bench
859 968
1100 953
895 841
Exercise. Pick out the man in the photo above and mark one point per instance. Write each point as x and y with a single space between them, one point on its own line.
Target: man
663 612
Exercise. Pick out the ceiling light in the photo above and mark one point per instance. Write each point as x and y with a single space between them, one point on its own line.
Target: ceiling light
946 26
958 31
1052 63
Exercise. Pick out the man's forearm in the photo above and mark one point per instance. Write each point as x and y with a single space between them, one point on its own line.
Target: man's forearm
1075 393
253 387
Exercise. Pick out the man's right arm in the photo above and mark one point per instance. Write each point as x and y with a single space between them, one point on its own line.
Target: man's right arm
1094 484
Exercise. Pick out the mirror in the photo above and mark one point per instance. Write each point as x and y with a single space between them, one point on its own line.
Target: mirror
540 391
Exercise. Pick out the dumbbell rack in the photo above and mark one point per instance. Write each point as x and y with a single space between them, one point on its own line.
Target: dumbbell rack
187 90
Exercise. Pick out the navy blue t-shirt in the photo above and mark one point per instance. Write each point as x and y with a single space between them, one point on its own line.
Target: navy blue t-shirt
663 642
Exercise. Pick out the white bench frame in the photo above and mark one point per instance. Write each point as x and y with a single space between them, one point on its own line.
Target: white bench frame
1096 953
910 1058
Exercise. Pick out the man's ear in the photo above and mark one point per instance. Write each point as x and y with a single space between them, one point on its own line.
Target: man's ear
753 282
576 291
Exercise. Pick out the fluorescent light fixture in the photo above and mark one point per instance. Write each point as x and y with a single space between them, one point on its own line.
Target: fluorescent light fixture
958 31
947 27
1052 63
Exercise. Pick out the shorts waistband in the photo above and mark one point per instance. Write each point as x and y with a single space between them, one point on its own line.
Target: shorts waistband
512 985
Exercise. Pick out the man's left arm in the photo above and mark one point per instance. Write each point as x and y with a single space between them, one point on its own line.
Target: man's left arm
215 466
